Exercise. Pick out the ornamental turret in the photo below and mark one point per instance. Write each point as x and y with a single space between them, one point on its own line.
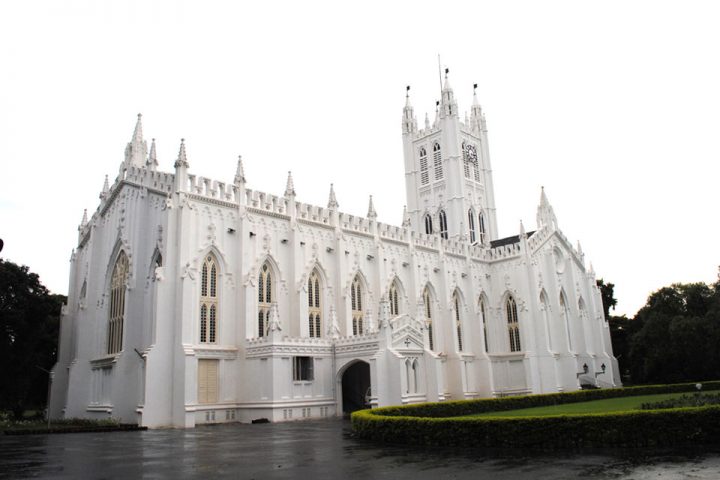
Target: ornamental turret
136 151
409 122
545 215
181 169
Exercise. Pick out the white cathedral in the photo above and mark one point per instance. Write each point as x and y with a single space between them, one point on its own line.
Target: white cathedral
196 301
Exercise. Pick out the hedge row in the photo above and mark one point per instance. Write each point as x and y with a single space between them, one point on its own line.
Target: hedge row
458 408
433 423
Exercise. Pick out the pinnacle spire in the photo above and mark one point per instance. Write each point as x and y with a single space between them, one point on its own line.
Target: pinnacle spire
372 214
447 86
332 201
152 157
409 123
406 217
545 214
84 220
240 172
138 134
290 187
182 160
522 229
106 188
136 150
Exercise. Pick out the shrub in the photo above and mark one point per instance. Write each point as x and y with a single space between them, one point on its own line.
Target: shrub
443 424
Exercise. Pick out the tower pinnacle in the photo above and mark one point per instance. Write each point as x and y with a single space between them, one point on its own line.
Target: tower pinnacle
182 160
152 161
372 214
240 172
332 201
409 122
290 186
136 150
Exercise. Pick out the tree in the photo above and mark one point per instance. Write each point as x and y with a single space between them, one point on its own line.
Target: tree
607 293
29 321
678 331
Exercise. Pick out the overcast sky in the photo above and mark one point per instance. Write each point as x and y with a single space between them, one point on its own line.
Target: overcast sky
612 106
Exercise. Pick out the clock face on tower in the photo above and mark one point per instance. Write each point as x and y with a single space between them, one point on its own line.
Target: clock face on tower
471 153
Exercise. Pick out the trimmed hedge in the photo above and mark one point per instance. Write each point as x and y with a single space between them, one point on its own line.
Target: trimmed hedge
443 424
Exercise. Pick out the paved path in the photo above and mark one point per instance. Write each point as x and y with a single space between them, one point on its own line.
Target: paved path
320 449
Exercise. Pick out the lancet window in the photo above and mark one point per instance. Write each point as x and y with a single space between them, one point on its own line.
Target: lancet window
443 224
314 307
466 161
208 300
428 318
512 324
393 297
437 161
428 224
565 312
458 322
483 320
116 320
471 225
356 306
266 293
481 227
424 171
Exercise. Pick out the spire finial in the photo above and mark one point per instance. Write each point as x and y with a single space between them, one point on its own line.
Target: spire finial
240 172
406 217
137 134
332 201
84 220
152 161
136 151
372 214
182 160
545 213
105 189
522 229
290 187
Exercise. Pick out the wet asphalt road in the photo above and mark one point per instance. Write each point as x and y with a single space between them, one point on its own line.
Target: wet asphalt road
321 449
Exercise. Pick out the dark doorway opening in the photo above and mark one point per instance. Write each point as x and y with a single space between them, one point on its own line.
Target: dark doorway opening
356 387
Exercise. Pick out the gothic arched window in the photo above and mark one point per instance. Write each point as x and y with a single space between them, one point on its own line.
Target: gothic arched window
471 225
565 313
437 161
266 293
483 320
424 171
443 224
513 325
481 227
116 320
466 161
545 313
428 318
428 224
356 302
208 300
314 308
393 298
458 322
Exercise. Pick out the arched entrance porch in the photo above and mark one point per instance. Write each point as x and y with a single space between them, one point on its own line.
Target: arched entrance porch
355 385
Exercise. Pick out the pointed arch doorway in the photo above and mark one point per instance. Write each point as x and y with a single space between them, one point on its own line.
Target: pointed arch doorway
355 387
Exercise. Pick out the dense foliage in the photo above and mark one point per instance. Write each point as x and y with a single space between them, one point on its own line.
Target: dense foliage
29 320
673 338
440 423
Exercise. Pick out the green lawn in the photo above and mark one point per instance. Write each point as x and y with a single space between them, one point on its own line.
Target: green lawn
595 406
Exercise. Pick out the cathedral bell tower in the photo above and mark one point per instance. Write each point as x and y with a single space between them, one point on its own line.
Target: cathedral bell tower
448 178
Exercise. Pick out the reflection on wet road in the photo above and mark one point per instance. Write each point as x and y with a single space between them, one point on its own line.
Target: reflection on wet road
318 449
